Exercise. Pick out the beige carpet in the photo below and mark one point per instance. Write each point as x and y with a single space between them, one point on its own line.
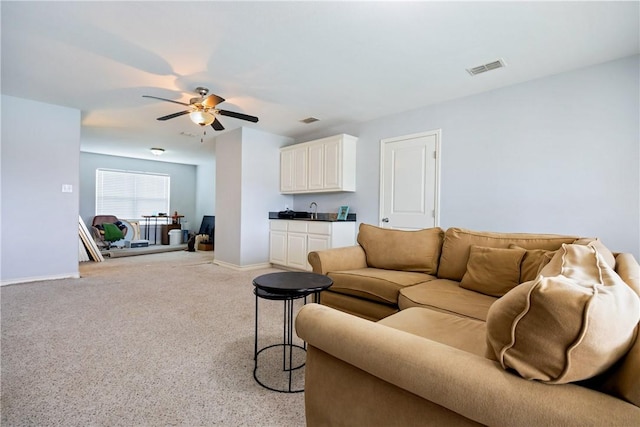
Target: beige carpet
152 340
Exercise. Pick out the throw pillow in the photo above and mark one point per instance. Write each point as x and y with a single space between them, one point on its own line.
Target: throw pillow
401 250
567 327
533 261
492 271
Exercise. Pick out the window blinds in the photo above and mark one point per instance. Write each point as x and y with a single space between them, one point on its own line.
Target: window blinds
130 195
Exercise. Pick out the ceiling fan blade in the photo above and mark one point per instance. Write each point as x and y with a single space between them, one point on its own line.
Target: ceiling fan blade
212 100
238 116
171 116
217 125
164 99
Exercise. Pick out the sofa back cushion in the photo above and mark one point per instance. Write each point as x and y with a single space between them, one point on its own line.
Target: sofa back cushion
401 250
572 323
458 241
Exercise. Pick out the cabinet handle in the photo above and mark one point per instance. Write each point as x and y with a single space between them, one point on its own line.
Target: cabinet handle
385 219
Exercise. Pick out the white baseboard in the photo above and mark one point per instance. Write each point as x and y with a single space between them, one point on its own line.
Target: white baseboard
242 267
39 279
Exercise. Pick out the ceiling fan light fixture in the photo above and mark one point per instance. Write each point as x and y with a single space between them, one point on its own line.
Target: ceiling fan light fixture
157 151
202 118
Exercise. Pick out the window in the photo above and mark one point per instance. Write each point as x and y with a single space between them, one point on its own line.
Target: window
130 195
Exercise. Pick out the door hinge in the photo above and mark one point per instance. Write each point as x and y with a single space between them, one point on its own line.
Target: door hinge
435 154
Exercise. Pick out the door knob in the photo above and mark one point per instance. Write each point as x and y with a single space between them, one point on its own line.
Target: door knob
385 219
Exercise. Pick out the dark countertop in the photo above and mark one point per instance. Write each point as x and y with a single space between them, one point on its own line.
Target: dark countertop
322 216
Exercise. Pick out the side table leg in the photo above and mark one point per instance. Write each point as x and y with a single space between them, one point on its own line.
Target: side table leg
155 232
284 335
290 339
255 341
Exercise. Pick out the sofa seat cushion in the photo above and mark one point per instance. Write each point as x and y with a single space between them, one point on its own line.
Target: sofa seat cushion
375 284
360 307
455 331
448 297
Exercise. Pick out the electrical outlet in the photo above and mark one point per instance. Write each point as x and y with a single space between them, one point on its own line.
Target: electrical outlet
67 188
286 207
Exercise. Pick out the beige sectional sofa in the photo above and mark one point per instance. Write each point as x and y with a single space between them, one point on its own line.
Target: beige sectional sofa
473 328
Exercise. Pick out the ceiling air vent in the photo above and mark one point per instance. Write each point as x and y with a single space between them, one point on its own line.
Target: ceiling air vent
486 67
309 120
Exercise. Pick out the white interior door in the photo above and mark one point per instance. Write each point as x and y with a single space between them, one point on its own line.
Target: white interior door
409 181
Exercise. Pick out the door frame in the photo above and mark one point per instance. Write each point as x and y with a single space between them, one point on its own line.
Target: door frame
438 134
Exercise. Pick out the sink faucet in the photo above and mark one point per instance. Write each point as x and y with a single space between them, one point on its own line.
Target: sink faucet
314 214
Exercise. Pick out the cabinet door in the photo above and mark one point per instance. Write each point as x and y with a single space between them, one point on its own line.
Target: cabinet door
332 164
324 165
300 169
316 242
297 250
286 171
278 247
316 167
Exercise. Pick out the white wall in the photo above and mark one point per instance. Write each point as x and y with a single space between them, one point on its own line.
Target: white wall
205 193
247 188
558 155
182 191
228 197
39 222
260 192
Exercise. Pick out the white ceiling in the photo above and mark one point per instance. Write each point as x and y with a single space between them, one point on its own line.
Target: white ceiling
284 61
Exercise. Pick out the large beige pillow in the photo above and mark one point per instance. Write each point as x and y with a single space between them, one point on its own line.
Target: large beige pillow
401 250
600 248
492 271
566 327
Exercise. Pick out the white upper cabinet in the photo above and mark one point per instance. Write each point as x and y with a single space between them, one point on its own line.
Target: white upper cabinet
293 170
323 165
315 178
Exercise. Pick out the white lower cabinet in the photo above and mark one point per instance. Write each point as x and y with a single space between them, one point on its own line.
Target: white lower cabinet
292 240
278 247
297 250
317 242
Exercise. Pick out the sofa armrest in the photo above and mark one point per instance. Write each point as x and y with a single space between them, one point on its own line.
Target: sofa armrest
338 259
472 386
628 269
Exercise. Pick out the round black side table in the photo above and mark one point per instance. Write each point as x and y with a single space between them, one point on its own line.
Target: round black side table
287 287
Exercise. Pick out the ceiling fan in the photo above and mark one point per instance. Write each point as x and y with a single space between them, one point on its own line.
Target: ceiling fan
203 110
